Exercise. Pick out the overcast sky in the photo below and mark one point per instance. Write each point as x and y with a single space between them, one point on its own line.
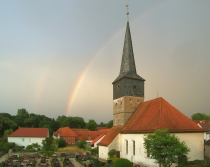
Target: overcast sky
61 57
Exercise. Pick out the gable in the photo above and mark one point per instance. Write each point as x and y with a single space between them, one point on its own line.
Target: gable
85 134
110 136
65 132
159 114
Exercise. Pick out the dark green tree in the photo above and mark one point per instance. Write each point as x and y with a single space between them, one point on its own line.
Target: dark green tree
48 144
122 162
91 125
81 144
62 143
109 124
164 147
5 124
22 114
102 124
200 116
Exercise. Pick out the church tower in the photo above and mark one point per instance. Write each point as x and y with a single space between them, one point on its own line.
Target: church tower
128 87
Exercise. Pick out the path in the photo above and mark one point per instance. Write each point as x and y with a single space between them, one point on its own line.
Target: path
76 164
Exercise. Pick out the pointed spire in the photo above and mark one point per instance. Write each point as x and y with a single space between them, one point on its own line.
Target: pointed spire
128 67
128 62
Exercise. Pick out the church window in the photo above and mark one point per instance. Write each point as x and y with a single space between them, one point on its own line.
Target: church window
126 146
22 139
134 147
134 87
118 87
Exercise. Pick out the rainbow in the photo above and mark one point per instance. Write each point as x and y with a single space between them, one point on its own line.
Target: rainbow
73 93
41 86
81 77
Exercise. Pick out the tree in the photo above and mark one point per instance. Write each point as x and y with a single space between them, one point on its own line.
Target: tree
164 147
91 125
81 144
62 143
200 116
48 144
109 124
5 124
22 114
122 162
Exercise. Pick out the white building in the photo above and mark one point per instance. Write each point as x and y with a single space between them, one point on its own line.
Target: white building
133 118
28 136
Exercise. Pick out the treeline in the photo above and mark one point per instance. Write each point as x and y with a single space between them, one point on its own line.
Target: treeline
26 119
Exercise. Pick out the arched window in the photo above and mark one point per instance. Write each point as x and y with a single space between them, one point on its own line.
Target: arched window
134 147
126 146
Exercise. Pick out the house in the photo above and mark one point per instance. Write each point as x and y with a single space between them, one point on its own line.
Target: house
27 136
89 136
133 117
67 134
94 143
71 136
207 148
205 124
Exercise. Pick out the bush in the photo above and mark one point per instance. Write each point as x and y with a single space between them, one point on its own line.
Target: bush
62 143
81 144
94 151
112 153
121 162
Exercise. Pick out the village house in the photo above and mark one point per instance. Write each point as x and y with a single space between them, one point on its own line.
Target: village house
67 134
71 136
27 136
205 124
133 117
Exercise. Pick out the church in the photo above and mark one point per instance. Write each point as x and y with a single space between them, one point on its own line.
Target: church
133 117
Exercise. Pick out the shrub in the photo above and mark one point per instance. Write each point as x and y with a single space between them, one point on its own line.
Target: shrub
112 153
81 144
122 162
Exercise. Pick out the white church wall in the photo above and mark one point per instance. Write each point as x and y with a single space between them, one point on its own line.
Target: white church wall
194 141
140 154
103 152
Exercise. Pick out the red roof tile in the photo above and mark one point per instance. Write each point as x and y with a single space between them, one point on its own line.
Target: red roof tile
85 134
64 132
110 136
159 114
205 126
30 132
96 139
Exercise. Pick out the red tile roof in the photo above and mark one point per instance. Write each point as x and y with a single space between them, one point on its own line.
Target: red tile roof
30 132
85 134
110 136
96 139
64 132
159 114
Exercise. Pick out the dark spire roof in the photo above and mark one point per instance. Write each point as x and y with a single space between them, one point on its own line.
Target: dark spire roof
128 68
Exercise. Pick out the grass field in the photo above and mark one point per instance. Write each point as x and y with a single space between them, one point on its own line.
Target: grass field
70 149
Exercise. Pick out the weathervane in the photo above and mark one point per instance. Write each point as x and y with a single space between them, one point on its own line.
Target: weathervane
127 12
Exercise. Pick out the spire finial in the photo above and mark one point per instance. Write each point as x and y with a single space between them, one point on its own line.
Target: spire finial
127 12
